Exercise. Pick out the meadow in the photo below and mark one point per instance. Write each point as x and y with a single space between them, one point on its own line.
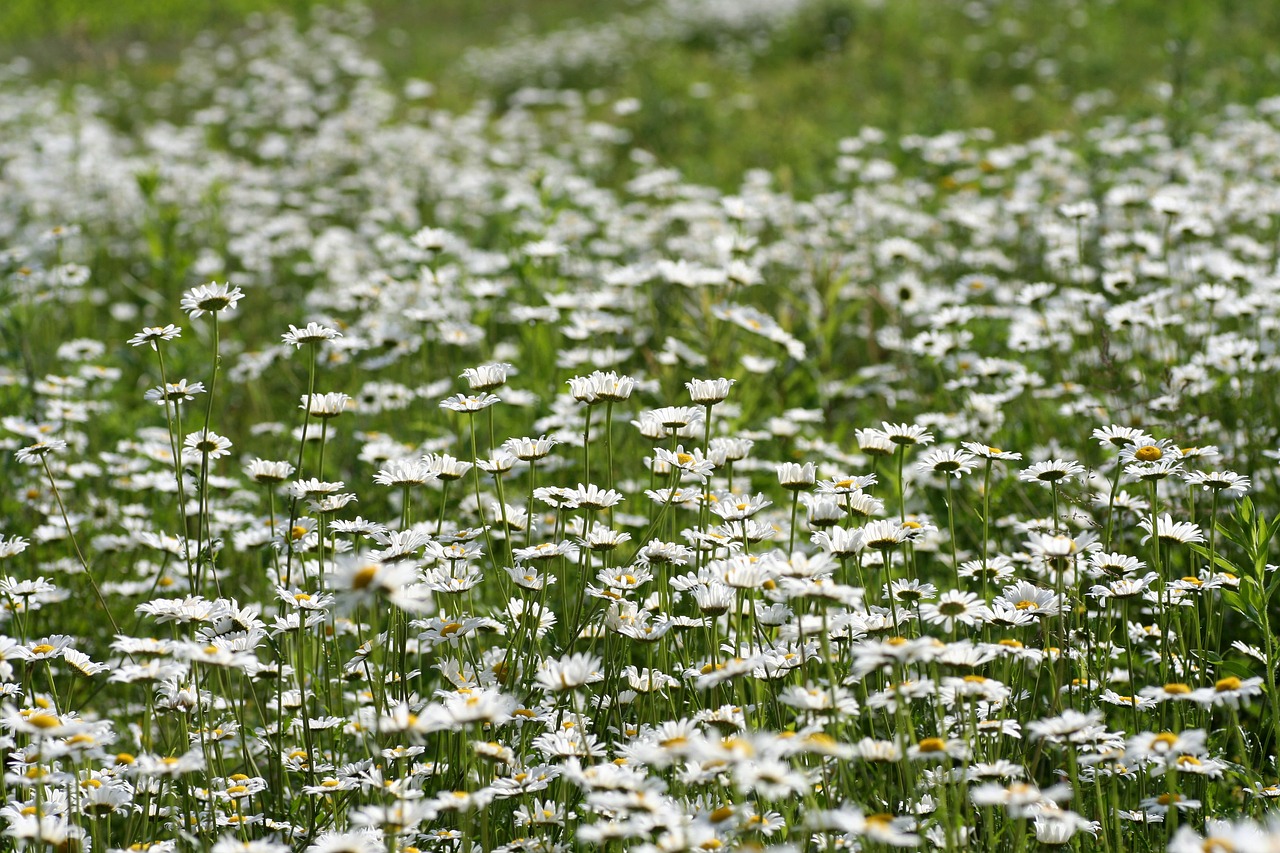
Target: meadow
778 426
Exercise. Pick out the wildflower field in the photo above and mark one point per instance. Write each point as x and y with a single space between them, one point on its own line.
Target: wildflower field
388 464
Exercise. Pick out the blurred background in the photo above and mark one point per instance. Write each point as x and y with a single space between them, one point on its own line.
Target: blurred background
716 87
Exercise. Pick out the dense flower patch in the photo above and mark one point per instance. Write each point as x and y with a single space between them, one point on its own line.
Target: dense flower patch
379 478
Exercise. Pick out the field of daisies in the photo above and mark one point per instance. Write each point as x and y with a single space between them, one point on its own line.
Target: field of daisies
376 477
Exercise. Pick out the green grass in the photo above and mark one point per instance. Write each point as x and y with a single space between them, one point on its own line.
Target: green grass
915 66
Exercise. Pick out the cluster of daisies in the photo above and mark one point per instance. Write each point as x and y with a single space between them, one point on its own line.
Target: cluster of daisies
379 478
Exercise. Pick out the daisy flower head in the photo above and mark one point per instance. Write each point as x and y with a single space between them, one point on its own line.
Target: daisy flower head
677 417
174 392
795 477
1231 691
601 387
11 546
1030 598
1149 451
469 403
1115 564
269 471
569 672
487 377
34 454
1051 471
1224 836
403 472
986 451
1158 469
946 461
1168 530
203 443
211 298
312 333
846 485
874 442
955 607
1079 210
1121 436
1226 483
529 449
907 435
154 335
323 406
705 392
884 534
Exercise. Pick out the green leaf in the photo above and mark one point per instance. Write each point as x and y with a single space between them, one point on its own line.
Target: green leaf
1236 602
1236 668
1219 560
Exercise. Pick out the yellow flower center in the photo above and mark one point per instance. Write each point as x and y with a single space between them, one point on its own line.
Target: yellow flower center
1224 685
932 744
1177 689
1148 453
43 720
362 578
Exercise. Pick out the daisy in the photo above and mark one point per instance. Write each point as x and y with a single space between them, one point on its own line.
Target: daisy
34 454
794 477
1160 805
1115 564
846 486
1121 436
173 392
1231 691
444 467
469 403
601 387
487 377
875 442
1149 451
840 542
946 461
569 672
1226 483
907 435
211 298
883 534
1223 836
154 335
12 546
591 497
1068 726
323 406
1051 471
313 333
403 472
706 392
1029 598
1168 530
955 607
993 453
529 449
198 445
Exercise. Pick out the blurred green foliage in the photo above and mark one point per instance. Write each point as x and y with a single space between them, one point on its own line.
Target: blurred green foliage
1018 67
